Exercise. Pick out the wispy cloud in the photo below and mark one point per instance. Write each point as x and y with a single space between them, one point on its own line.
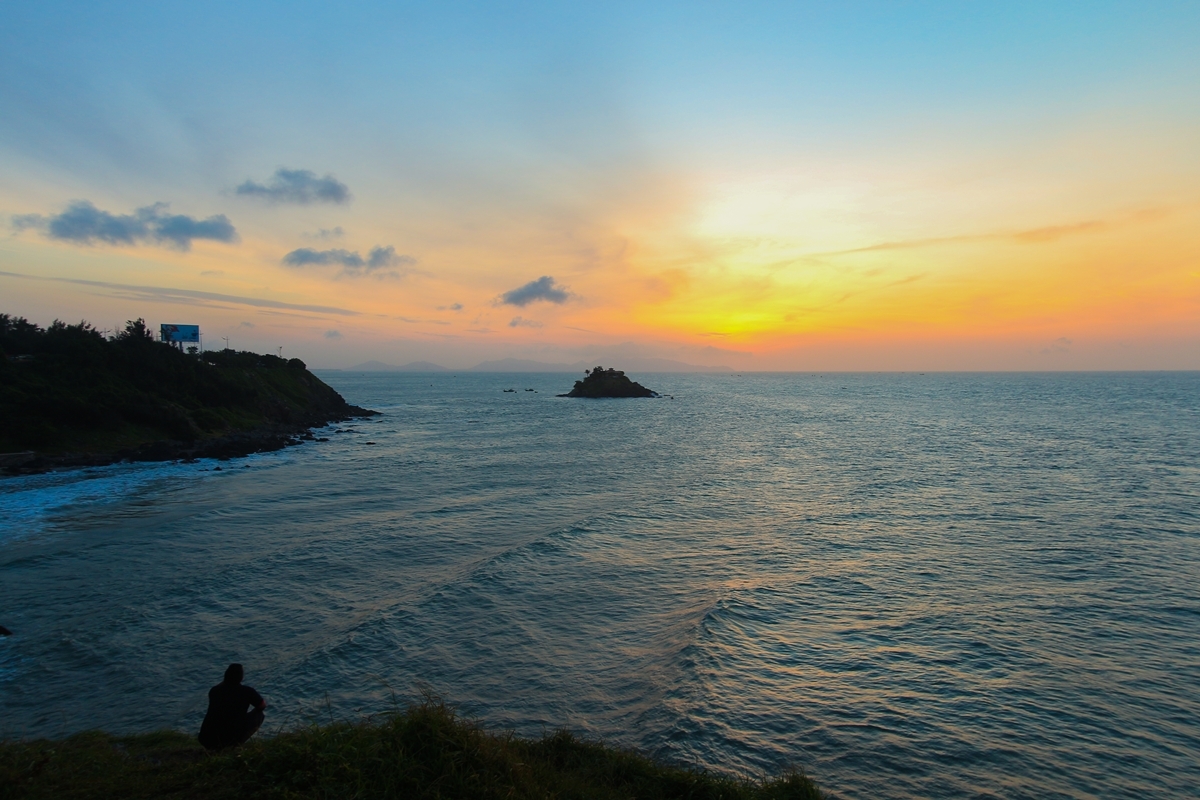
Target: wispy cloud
521 322
333 334
1046 234
21 222
1055 232
451 307
162 294
323 234
299 186
1060 345
83 223
380 262
543 288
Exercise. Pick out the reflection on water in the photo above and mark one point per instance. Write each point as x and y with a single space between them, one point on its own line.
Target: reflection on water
925 586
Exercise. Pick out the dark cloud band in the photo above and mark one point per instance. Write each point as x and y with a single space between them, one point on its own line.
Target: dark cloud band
300 186
541 289
380 261
163 294
83 223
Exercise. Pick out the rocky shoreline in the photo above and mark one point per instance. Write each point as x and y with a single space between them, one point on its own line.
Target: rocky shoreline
70 397
231 445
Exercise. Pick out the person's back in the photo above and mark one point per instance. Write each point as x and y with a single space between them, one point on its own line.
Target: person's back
227 722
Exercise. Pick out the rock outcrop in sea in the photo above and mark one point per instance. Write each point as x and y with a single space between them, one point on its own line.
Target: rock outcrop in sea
601 382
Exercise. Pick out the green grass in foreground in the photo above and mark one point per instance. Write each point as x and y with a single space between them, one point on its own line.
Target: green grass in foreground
426 751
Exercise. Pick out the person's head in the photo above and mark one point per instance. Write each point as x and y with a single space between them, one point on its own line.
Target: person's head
233 674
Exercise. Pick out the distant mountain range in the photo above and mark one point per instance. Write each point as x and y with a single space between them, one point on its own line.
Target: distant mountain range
414 366
633 363
522 365
636 364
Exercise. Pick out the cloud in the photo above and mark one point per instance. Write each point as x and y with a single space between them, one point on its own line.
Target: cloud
21 222
451 307
326 233
162 294
541 289
380 261
180 230
1055 232
300 186
247 325
83 223
333 334
520 322
306 257
381 257
1060 345
1042 235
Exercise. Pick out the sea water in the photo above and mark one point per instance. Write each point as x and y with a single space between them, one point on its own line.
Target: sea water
942 585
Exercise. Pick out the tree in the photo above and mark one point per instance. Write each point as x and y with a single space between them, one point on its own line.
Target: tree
136 330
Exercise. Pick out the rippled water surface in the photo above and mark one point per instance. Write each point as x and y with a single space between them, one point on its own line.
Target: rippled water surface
909 585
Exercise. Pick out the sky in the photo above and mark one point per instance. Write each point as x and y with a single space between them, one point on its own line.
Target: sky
763 186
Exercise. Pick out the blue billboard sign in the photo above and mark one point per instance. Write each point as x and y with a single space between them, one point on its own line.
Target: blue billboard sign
181 333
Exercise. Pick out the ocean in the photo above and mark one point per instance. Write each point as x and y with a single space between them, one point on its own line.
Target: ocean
935 586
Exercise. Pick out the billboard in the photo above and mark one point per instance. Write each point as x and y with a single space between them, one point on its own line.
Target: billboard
181 333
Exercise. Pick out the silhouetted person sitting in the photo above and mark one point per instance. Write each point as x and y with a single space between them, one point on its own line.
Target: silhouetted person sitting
227 722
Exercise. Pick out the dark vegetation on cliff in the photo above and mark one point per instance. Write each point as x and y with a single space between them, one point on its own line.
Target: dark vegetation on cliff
73 396
601 382
424 752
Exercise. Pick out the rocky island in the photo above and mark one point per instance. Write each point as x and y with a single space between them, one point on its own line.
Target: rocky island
69 397
601 382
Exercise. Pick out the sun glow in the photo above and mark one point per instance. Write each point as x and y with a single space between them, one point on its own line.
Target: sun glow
720 197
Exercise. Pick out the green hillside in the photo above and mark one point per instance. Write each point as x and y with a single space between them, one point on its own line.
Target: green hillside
424 752
66 389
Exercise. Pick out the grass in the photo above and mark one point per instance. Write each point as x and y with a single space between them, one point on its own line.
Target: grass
426 751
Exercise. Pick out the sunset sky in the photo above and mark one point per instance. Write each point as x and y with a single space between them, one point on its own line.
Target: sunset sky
792 186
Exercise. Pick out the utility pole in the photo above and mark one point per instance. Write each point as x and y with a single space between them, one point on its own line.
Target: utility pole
281 351
226 338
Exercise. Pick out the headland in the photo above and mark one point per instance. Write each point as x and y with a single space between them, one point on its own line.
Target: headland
69 397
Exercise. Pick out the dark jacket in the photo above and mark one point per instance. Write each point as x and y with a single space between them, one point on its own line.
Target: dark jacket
228 712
